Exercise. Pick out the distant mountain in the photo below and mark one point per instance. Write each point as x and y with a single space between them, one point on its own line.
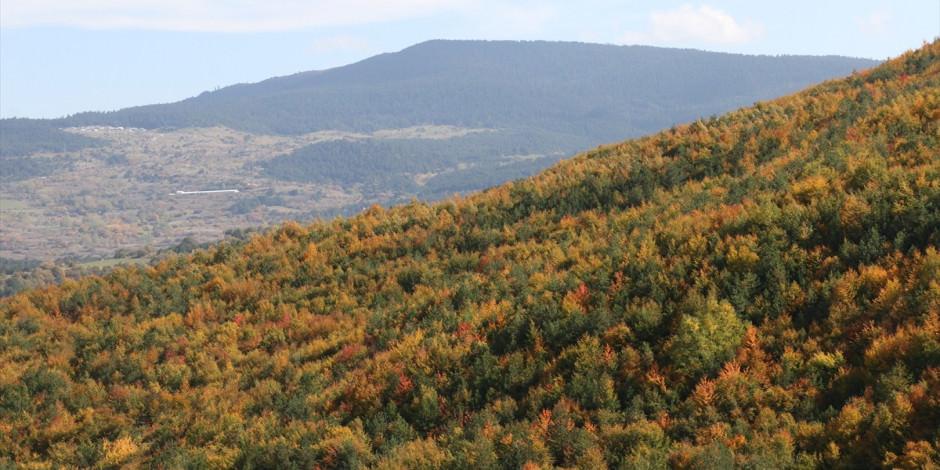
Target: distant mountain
601 92
759 290
591 93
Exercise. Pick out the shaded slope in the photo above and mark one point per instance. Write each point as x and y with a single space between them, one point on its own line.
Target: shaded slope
760 289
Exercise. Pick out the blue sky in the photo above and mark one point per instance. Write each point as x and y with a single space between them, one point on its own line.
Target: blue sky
63 56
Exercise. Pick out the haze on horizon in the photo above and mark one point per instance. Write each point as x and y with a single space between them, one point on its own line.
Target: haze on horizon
59 58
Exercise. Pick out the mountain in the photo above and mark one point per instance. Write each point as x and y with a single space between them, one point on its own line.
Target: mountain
760 289
601 92
435 119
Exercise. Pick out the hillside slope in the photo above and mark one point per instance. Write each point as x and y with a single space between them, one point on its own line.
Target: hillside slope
760 289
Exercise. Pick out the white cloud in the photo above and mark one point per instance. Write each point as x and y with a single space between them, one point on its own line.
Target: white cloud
213 15
689 24
875 22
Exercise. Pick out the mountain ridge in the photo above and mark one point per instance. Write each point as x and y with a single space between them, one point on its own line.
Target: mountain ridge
490 64
462 42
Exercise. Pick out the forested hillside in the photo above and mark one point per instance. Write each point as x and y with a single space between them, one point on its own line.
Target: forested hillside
21 137
449 164
24 136
760 289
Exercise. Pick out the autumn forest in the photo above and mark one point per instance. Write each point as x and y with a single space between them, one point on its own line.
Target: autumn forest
756 290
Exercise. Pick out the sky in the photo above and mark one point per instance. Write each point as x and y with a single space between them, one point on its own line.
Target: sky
59 57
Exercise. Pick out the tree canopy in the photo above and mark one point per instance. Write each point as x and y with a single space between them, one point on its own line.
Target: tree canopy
760 290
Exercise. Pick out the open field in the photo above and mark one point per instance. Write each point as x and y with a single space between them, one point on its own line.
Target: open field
123 195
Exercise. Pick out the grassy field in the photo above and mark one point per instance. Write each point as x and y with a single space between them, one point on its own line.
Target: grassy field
111 262
8 204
